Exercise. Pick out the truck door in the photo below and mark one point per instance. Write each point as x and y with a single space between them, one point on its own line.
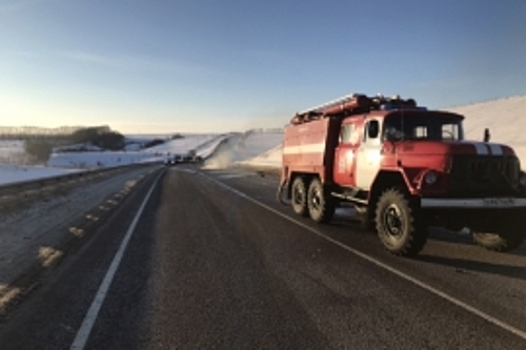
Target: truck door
369 154
344 165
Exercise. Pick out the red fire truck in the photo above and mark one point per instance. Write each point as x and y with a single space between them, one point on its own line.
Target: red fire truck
404 168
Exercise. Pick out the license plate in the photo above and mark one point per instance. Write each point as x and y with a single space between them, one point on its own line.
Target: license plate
499 202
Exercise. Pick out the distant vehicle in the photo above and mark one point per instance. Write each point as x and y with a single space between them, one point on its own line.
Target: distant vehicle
403 168
183 158
173 160
170 161
192 157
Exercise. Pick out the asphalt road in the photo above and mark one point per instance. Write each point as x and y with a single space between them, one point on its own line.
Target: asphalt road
213 261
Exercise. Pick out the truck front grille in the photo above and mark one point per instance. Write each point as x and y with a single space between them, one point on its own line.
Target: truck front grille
482 176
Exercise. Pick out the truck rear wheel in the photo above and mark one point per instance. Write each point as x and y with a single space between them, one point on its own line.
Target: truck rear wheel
508 234
320 203
398 224
498 242
299 197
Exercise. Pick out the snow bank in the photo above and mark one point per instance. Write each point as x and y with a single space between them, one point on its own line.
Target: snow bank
181 145
87 160
11 173
506 119
268 159
244 147
159 153
13 152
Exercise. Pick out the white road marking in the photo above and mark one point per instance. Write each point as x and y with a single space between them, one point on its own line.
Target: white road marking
518 332
91 316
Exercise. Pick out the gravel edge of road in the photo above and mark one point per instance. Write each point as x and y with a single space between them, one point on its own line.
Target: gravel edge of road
85 225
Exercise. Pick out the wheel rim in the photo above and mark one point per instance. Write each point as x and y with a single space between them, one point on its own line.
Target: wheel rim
487 237
315 200
299 195
393 222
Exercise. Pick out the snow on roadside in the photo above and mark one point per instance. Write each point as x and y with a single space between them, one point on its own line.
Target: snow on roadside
157 153
32 234
269 159
62 163
240 148
87 160
12 174
181 145
208 148
13 152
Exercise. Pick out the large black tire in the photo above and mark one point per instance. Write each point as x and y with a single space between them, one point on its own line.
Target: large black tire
398 223
319 202
299 197
498 242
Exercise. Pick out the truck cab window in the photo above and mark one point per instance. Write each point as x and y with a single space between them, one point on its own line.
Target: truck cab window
420 132
373 129
422 127
347 130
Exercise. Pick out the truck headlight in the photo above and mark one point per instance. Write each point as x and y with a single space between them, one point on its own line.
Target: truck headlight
430 177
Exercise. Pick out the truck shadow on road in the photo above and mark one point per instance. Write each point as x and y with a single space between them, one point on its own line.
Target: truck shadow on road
442 235
466 266
461 265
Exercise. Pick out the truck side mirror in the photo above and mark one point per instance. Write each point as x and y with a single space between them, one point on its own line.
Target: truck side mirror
487 135
393 134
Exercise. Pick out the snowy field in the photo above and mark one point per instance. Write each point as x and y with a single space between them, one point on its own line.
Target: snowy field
61 163
87 160
12 173
12 152
250 148
506 119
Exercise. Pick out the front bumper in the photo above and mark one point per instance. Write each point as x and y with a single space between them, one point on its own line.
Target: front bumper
474 203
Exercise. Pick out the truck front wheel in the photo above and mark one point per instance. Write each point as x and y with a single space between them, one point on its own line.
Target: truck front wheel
299 196
398 224
320 203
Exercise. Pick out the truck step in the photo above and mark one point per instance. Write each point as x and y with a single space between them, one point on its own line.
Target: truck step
349 198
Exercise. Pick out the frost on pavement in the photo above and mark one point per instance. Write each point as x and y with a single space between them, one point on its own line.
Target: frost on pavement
32 235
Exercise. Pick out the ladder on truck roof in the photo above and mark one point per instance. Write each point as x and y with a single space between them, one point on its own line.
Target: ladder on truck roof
352 104
332 103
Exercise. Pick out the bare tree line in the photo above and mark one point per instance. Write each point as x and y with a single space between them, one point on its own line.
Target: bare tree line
8 132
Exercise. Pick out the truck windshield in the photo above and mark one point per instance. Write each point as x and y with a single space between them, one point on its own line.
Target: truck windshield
423 126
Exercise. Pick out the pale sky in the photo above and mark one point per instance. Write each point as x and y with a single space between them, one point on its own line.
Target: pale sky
158 66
